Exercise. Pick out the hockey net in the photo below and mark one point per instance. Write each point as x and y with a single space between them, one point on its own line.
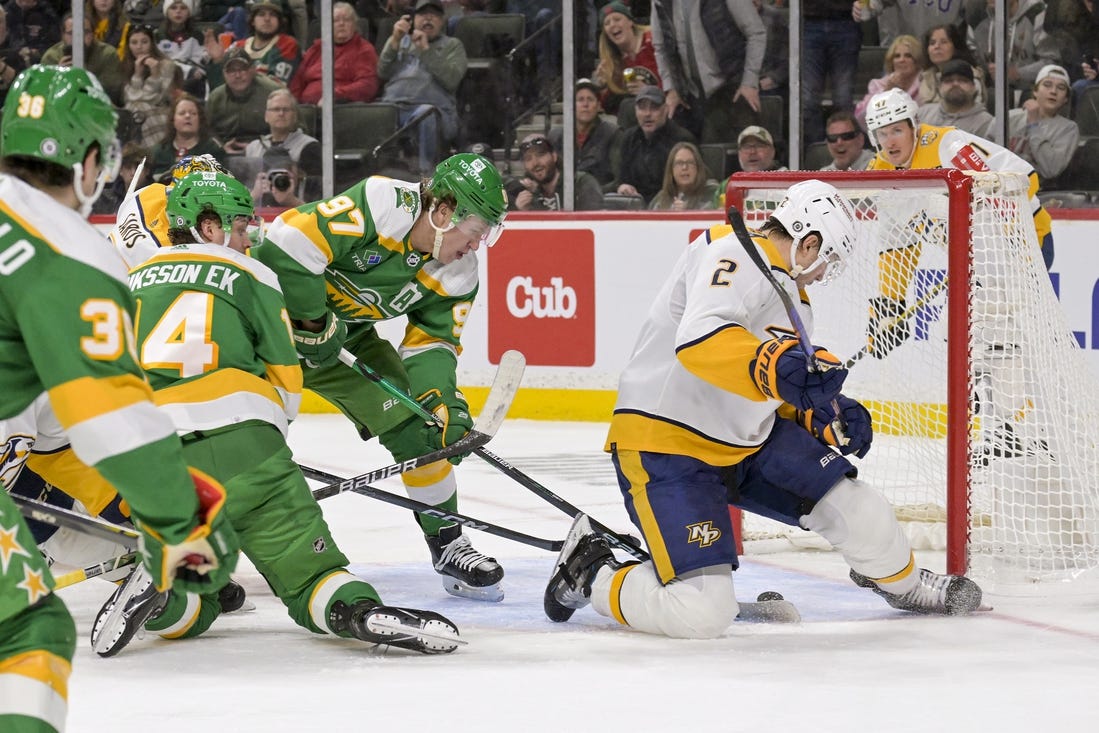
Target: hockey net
985 418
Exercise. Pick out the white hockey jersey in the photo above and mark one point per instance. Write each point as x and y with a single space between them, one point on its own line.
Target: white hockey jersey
687 389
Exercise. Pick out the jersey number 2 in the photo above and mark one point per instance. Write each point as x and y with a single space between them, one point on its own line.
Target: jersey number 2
180 340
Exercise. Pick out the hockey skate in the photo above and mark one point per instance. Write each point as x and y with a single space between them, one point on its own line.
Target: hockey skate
232 598
466 572
426 632
125 613
949 595
582 554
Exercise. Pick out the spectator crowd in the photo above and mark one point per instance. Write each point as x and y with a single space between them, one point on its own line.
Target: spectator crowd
673 96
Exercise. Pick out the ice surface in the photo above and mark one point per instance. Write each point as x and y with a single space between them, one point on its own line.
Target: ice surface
853 664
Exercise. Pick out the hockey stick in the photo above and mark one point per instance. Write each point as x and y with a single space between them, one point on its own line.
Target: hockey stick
839 427
614 539
56 516
92 571
509 374
422 508
903 316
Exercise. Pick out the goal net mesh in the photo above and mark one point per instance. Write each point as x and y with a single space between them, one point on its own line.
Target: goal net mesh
1031 415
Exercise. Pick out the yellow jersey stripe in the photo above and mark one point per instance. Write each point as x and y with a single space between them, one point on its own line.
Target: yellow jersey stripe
35 684
68 473
710 359
84 398
636 431
427 475
118 432
635 473
296 234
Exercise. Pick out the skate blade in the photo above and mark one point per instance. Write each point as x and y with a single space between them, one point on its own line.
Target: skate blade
415 632
489 593
770 612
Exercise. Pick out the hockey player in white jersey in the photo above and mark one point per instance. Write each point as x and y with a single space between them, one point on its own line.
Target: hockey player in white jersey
718 407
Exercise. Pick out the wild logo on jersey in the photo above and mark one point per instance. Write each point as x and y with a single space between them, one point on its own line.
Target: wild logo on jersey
354 304
408 200
704 533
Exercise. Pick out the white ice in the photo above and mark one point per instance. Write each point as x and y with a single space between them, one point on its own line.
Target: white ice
853 664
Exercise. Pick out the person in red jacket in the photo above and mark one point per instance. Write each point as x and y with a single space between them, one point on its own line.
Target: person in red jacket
356 63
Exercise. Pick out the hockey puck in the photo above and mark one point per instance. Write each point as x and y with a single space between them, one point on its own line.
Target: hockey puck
769 595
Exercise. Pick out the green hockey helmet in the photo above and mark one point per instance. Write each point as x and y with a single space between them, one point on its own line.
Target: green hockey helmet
208 191
55 113
478 190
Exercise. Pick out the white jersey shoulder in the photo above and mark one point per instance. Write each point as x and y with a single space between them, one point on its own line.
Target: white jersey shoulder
131 234
60 227
394 205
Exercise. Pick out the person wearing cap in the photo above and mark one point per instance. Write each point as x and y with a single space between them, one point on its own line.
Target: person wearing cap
623 44
755 151
275 54
710 54
957 104
354 64
644 150
1038 132
942 44
238 108
596 138
541 186
422 69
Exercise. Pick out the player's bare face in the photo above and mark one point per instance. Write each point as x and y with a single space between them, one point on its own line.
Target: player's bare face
238 237
808 252
619 30
457 244
897 141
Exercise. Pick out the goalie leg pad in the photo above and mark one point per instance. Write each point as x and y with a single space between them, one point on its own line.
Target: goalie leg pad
700 604
858 521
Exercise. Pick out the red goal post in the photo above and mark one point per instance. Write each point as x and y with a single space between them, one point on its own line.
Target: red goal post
976 420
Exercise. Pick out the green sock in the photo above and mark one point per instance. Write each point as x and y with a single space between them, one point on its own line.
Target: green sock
432 525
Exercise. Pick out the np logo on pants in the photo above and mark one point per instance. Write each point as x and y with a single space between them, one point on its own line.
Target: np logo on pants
704 533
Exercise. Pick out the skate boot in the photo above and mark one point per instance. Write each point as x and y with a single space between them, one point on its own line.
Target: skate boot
583 553
125 613
232 598
426 632
466 572
949 595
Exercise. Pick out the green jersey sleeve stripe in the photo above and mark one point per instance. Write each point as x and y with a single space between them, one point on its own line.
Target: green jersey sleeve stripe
120 431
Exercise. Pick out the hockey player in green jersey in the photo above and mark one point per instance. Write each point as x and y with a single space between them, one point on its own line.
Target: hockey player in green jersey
383 249
68 366
214 337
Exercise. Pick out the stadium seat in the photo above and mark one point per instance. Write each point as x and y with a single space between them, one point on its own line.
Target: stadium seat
627 118
622 202
307 119
816 157
714 156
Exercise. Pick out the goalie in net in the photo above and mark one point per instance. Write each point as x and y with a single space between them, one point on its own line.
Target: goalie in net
719 406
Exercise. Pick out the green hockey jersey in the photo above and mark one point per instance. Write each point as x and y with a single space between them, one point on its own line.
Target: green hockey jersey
351 255
215 339
66 332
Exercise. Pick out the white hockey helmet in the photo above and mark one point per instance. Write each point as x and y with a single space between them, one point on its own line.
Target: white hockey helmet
815 207
888 107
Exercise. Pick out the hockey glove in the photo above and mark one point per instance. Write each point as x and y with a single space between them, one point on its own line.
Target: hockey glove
201 563
887 329
455 417
780 370
858 429
322 348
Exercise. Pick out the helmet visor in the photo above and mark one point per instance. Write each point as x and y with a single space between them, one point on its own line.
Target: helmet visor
474 227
